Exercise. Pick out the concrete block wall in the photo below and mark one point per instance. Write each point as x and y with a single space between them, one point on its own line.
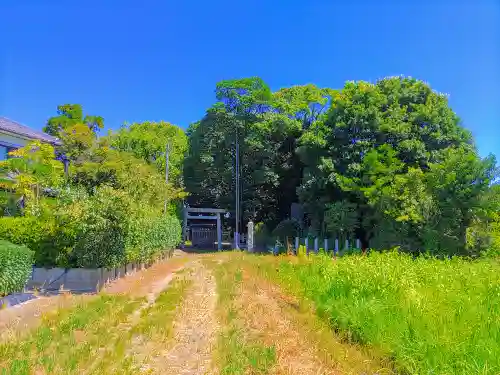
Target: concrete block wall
83 280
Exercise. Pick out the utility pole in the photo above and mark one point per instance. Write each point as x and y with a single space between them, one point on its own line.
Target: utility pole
237 234
167 154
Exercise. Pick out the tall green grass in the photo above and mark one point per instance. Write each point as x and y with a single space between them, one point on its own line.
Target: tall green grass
429 316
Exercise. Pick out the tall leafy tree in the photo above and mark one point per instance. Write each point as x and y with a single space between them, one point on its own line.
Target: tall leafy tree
379 146
391 156
69 115
270 167
76 132
148 141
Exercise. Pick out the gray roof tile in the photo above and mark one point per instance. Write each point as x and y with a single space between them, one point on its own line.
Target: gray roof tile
24 131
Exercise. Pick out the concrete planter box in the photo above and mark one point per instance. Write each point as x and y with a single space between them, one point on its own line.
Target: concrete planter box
83 280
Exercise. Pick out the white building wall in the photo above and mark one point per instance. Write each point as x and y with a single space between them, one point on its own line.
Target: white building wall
10 140
13 139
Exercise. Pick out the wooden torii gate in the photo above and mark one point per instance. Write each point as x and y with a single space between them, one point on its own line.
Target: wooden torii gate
207 214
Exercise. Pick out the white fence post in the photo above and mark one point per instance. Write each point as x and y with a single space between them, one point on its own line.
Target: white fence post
358 244
336 246
325 245
316 248
249 237
297 241
306 244
347 244
236 240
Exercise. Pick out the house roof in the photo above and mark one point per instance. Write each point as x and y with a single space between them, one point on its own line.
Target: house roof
22 130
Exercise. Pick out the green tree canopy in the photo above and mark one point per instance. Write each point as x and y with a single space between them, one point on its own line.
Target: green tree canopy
148 141
70 115
398 151
269 167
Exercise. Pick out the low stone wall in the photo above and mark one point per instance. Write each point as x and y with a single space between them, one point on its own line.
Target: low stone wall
83 280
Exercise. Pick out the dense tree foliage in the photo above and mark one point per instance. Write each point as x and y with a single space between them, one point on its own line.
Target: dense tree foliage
70 115
387 162
111 206
267 127
149 140
76 132
397 151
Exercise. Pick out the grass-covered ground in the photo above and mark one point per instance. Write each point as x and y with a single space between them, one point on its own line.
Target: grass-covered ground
427 316
234 313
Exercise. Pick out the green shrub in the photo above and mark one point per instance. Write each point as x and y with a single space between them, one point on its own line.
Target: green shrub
262 237
100 224
105 229
49 241
149 235
430 316
15 267
9 203
287 228
110 230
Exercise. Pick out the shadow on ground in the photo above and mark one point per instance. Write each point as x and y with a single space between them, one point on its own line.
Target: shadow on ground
197 250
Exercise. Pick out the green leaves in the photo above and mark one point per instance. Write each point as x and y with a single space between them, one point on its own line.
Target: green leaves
287 228
148 141
341 218
15 267
69 115
396 150
148 235
305 103
270 169
243 96
112 228
115 188
34 169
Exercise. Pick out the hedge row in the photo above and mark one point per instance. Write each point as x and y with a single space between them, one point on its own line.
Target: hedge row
48 240
147 236
15 267
98 240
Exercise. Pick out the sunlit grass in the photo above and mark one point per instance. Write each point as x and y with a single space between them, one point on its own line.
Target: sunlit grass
153 327
156 321
95 337
428 316
234 353
69 341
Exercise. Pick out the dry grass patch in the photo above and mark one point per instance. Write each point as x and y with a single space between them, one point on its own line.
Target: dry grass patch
266 321
19 320
93 336
304 344
235 353
69 341
139 284
195 326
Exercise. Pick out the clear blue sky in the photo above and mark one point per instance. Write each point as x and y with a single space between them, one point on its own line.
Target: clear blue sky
145 60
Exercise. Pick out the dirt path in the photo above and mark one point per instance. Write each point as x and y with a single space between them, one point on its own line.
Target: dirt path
195 327
148 282
266 319
170 323
303 344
